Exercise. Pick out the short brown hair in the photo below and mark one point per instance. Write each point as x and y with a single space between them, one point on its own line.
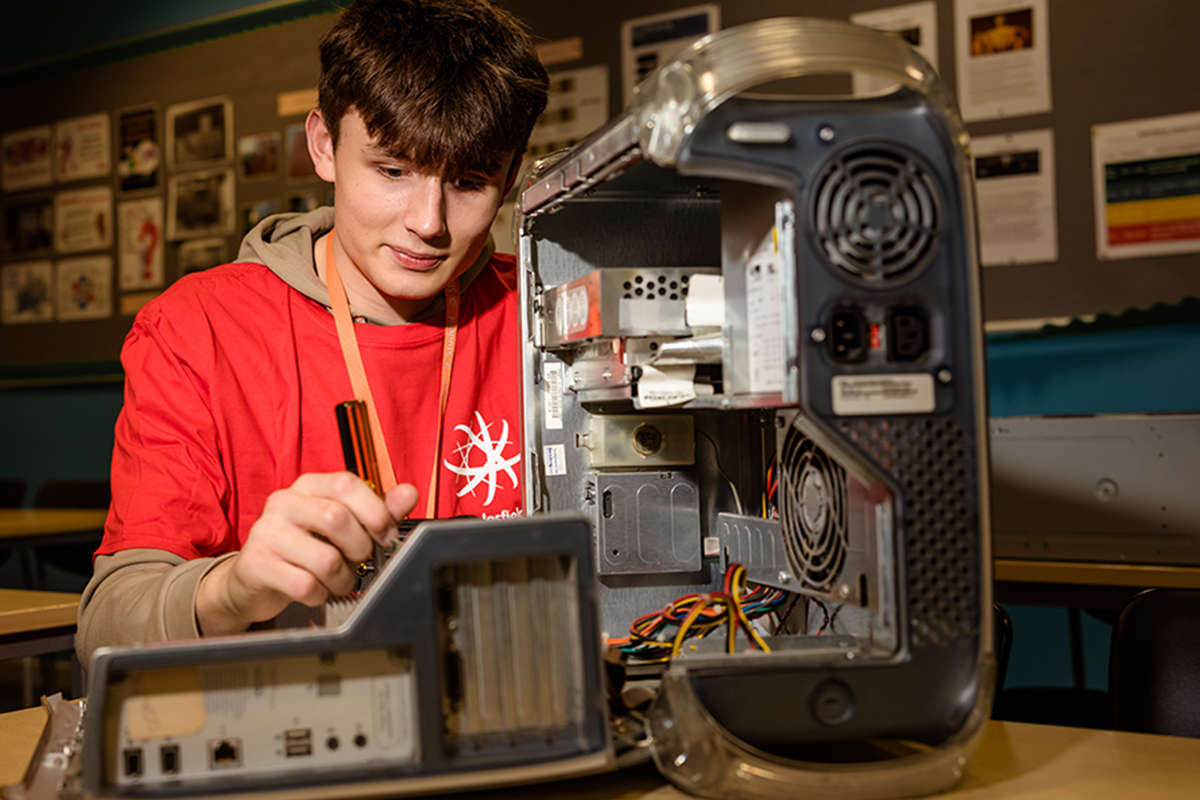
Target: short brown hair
452 84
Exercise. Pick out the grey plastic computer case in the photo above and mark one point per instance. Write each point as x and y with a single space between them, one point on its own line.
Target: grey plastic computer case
832 327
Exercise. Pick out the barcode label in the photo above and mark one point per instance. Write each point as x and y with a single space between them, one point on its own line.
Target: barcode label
552 383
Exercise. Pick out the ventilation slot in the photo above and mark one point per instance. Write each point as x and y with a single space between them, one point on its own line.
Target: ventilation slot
812 490
510 650
875 213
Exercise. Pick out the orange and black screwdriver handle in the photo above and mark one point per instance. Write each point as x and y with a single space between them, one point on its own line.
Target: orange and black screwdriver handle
358 451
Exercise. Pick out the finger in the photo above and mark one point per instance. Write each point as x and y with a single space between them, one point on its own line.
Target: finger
401 500
321 560
352 492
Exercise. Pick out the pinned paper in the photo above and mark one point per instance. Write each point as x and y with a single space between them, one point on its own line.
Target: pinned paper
167 702
706 302
666 386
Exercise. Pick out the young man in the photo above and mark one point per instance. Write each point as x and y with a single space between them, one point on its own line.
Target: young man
230 495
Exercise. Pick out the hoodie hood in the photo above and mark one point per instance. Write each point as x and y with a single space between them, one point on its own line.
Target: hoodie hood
283 243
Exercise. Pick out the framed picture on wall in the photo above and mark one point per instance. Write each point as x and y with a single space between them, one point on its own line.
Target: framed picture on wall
26 292
200 133
139 149
201 254
200 204
258 155
26 159
83 219
84 288
299 163
82 148
29 225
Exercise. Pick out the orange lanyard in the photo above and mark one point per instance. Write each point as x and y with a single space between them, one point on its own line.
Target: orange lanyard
358 376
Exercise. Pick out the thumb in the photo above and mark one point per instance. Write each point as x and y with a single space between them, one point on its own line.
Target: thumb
401 500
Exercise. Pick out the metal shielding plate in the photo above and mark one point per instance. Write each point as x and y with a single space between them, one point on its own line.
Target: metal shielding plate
647 522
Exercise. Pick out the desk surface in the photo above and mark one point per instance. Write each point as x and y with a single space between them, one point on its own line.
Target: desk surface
1097 574
22 610
1015 760
18 522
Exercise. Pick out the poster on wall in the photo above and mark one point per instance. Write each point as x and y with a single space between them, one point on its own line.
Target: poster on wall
26 156
646 42
200 133
82 148
258 156
251 214
200 204
29 225
83 219
1146 175
576 104
1014 188
200 254
299 162
915 23
26 292
84 288
1002 58
139 152
140 243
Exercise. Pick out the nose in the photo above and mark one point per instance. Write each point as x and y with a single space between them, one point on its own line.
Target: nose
425 214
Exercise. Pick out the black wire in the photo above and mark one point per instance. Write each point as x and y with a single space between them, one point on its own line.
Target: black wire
832 618
783 617
825 611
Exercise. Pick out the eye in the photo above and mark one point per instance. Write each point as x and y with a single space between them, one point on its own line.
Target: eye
388 171
470 183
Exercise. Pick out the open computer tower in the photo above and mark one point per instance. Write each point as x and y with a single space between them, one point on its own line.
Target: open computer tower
753 337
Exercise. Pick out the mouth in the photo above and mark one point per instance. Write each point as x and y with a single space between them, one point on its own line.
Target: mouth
420 262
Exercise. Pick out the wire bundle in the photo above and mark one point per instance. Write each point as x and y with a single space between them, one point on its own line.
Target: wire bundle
659 635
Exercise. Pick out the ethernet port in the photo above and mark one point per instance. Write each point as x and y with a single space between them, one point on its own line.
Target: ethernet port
225 753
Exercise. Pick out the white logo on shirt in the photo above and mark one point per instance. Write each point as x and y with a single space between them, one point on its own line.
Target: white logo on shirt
492 453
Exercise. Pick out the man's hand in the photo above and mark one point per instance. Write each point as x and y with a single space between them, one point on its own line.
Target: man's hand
301 549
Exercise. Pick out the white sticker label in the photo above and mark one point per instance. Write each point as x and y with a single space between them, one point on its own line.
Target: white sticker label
555 458
572 311
910 393
666 386
552 385
764 318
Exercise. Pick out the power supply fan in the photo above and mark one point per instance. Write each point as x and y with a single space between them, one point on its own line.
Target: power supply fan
875 212
812 511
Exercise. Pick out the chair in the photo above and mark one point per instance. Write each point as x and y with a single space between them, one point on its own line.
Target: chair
75 557
1154 664
12 492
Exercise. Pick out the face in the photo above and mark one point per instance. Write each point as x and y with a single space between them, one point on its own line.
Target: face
406 230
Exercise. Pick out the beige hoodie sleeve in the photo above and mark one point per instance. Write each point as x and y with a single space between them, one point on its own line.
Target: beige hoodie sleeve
140 595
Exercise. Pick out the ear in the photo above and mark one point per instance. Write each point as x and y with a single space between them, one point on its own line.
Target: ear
320 145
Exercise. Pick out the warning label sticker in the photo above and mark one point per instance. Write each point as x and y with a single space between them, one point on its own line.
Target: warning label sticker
910 393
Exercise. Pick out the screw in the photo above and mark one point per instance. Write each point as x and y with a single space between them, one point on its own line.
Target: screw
1106 490
606 375
844 591
818 335
944 375
784 577
825 133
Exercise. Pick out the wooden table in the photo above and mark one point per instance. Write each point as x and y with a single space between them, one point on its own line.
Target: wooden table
36 524
34 623
1015 761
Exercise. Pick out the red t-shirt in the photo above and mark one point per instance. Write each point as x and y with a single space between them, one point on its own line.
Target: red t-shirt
232 379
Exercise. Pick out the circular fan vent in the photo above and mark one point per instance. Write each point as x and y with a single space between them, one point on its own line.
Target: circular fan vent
875 212
812 511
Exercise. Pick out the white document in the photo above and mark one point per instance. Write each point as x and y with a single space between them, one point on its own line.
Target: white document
1146 175
82 148
140 243
915 23
1014 185
83 219
576 104
1002 58
647 42
764 317
666 386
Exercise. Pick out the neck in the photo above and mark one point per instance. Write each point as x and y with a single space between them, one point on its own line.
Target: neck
365 298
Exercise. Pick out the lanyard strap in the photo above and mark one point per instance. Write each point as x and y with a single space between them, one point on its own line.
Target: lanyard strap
358 376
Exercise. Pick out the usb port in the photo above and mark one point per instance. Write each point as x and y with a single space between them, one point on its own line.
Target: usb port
297 742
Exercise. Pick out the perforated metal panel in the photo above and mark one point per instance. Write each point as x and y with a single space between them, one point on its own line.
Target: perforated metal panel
933 461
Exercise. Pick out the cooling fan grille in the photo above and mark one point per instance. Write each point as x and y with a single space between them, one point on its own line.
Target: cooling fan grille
812 489
875 212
